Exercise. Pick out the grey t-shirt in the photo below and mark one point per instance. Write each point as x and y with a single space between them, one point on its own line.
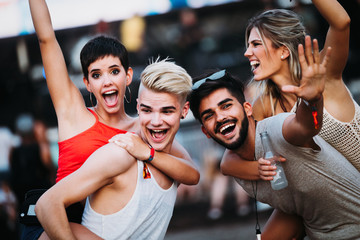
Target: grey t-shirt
323 187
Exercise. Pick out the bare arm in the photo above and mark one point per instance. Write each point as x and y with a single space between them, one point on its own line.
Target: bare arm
299 129
233 165
62 90
177 165
50 208
281 226
337 37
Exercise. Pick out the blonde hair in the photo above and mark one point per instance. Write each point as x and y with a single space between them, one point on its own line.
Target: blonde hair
166 76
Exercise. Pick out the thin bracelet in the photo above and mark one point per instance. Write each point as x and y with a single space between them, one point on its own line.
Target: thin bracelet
313 112
152 153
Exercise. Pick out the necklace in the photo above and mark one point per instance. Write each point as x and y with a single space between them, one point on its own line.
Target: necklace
257 225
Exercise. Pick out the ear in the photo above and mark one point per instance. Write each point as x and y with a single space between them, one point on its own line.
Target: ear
185 109
205 131
129 76
137 106
248 109
285 53
87 84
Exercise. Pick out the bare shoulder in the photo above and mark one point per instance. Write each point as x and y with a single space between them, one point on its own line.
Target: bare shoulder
262 107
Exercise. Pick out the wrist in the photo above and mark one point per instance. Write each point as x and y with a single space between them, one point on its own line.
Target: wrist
152 153
312 102
314 111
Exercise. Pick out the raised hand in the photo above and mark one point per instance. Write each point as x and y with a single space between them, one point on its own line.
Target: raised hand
312 83
133 144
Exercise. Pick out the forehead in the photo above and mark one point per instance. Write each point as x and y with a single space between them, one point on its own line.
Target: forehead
254 35
106 61
213 99
158 100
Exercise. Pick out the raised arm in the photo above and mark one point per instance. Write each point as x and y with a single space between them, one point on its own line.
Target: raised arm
62 90
299 129
337 37
50 208
177 165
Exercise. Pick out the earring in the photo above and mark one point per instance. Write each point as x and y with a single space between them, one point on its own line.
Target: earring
129 95
182 117
282 56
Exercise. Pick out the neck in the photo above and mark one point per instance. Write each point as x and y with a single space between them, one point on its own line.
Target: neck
283 78
119 119
247 150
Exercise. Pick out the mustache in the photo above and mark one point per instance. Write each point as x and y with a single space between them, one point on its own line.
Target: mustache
219 124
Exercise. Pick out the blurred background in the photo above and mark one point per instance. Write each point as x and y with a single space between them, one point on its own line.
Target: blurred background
196 34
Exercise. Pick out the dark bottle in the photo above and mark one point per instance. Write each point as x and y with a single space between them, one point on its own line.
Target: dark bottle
279 181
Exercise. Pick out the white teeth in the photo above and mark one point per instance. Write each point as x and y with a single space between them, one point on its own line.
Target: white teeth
253 63
226 126
153 132
157 130
110 92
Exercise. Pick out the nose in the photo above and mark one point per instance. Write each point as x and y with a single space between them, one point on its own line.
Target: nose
220 116
156 119
248 52
107 80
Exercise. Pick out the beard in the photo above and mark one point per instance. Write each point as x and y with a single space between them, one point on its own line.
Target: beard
240 140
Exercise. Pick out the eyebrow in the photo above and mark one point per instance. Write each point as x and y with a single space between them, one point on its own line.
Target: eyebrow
255 40
112 66
219 104
163 108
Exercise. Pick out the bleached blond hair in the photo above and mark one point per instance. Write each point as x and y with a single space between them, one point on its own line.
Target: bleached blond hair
166 76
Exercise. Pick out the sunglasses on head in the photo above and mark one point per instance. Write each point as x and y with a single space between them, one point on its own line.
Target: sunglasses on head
214 76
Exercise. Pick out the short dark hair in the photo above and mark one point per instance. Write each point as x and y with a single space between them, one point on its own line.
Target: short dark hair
233 84
100 47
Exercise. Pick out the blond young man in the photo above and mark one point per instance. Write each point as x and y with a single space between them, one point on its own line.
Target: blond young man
125 198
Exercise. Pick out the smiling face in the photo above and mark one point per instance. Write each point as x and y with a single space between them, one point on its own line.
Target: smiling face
224 119
107 80
265 59
159 116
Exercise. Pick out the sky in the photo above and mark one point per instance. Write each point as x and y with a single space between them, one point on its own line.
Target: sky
15 16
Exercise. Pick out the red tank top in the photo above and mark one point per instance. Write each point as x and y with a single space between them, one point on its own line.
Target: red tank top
74 151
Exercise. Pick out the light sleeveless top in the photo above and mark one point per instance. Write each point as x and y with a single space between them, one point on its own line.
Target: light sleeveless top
343 136
74 151
145 216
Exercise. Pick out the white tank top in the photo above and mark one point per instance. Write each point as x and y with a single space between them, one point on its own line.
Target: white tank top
145 216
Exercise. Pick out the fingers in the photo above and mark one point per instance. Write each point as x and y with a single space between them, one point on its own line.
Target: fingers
311 54
290 89
302 58
266 171
120 144
308 51
281 159
316 51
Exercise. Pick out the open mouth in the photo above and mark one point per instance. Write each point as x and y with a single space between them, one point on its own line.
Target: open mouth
158 134
254 65
110 97
227 129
